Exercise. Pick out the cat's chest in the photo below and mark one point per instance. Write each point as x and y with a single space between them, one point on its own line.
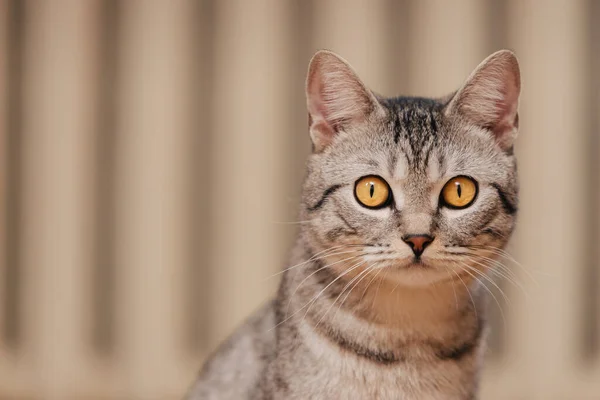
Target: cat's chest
324 370
346 382
351 379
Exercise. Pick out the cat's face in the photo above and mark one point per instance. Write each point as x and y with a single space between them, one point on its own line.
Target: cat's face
422 189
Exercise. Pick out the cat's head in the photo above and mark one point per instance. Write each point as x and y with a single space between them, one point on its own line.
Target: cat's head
425 188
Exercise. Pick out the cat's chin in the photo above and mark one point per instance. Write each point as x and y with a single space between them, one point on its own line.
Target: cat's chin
417 274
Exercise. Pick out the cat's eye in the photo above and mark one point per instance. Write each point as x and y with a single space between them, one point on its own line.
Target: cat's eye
372 192
459 192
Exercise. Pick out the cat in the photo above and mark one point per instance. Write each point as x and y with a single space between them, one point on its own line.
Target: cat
408 202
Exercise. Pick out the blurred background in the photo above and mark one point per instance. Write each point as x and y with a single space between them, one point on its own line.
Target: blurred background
151 156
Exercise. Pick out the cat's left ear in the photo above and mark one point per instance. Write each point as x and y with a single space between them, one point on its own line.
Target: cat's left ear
490 97
336 98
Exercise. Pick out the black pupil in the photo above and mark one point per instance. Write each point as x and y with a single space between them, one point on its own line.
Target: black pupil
458 189
372 190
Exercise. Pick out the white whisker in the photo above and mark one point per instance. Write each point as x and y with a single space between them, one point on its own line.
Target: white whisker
370 282
453 288
317 256
313 299
339 295
313 273
364 273
295 222
489 291
501 270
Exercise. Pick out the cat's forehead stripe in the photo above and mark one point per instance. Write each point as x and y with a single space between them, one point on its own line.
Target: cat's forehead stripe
433 168
400 169
415 124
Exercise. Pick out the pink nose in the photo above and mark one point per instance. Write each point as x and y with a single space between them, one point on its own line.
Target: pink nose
418 243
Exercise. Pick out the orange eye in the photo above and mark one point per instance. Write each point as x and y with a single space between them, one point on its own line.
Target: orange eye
372 192
459 192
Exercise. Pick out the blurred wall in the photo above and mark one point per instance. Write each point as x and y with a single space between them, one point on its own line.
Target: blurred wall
151 156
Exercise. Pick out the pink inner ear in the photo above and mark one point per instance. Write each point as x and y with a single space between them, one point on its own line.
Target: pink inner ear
490 97
319 115
335 97
317 107
506 109
322 111
324 131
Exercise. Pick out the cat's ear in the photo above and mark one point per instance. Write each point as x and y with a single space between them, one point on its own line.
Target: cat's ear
335 97
490 97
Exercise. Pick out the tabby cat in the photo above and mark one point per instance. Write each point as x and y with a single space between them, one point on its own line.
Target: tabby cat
407 201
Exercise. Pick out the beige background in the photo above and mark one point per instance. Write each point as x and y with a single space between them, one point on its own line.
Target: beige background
151 153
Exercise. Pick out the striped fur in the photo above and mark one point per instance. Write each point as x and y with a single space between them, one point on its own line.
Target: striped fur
359 316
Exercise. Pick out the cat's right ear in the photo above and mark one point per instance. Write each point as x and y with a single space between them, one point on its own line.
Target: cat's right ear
490 97
335 97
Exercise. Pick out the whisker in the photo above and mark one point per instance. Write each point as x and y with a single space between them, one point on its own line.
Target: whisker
490 280
370 282
503 253
339 295
316 257
315 272
295 222
377 291
395 287
502 271
366 272
469 293
496 250
314 298
453 288
489 291
331 283
495 267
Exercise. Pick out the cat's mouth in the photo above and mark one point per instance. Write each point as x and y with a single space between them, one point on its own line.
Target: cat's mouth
414 262
418 264
416 272
419 271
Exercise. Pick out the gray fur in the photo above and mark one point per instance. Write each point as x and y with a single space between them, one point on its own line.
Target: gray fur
355 317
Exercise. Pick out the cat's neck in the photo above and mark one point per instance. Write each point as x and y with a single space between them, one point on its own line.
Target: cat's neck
383 320
388 303
381 300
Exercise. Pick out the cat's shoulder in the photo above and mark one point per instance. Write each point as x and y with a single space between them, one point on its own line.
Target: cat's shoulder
237 365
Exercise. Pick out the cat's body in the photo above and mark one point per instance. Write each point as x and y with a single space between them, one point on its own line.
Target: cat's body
365 311
308 362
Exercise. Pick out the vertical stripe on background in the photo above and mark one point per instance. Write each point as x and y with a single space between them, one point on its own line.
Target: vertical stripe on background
60 76
11 293
247 157
448 40
198 269
590 283
398 25
496 21
357 30
4 79
297 141
103 274
592 295
152 206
